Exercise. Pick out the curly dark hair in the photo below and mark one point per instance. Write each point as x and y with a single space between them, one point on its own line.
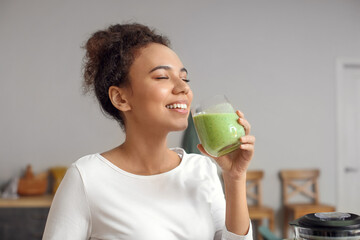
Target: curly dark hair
109 56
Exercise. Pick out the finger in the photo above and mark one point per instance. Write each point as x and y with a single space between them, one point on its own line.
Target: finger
245 124
240 114
247 147
247 139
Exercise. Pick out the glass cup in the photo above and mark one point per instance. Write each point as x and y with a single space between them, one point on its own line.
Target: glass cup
217 126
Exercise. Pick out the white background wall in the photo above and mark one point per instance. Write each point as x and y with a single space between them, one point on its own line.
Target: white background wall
275 60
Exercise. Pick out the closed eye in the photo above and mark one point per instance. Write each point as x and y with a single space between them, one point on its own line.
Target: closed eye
184 79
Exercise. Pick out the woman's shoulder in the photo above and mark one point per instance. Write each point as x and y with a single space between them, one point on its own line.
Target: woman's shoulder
200 168
86 159
86 162
196 161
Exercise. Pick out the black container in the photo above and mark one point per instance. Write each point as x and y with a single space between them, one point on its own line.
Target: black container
327 225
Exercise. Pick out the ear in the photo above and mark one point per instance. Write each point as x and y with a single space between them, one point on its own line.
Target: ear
118 97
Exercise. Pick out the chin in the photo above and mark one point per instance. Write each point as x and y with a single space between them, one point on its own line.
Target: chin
180 127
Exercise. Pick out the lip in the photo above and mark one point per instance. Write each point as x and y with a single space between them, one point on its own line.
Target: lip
184 111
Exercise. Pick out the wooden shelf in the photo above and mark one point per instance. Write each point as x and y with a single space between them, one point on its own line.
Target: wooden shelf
27 202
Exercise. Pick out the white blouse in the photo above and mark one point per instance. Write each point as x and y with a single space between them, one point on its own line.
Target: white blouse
98 200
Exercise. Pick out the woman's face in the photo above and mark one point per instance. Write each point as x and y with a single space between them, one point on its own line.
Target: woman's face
160 95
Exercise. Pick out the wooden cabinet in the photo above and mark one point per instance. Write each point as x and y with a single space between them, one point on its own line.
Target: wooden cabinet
22 223
24 218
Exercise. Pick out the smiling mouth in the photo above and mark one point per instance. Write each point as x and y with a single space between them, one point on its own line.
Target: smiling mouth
177 106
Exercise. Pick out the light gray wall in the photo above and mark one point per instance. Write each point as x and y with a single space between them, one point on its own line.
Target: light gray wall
275 60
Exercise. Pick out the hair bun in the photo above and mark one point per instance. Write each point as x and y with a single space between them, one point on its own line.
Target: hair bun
96 45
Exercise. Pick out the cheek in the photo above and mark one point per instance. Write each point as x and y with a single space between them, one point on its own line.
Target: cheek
159 91
157 94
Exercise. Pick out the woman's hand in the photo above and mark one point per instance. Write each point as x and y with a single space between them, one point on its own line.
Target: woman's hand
235 164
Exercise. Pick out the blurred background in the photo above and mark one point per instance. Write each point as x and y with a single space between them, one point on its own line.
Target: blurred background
284 63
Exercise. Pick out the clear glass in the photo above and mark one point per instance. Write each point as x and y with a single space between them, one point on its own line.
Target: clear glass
332 216
217 126
308 234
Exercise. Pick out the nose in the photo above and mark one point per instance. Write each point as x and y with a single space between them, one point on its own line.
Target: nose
180 86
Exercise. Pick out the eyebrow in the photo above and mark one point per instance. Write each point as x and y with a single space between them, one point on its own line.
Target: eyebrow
166 68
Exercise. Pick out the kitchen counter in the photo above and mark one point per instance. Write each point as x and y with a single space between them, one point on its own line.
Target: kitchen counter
24 218
27 202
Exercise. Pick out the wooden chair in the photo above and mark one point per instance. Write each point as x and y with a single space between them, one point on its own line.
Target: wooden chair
257 211
297 183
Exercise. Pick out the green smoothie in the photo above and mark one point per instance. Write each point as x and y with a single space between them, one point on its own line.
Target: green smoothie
219 133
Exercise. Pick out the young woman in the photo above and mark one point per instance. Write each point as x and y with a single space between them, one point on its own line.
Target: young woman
142 189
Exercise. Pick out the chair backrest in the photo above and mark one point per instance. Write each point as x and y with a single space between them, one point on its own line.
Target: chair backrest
300 182
254 187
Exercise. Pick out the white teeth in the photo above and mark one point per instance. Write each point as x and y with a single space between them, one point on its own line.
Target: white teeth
177 105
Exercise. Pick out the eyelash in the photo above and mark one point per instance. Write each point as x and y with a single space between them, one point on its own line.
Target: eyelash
184 79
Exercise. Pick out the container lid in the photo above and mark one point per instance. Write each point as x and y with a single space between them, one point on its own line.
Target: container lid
328 221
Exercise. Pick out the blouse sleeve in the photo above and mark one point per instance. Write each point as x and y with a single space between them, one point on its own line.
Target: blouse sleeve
218 212
226 235
69 215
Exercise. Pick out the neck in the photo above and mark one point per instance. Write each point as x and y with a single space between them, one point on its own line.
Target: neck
146 152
